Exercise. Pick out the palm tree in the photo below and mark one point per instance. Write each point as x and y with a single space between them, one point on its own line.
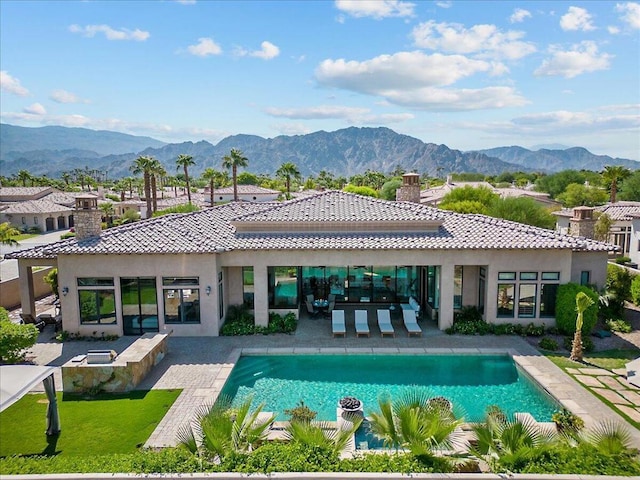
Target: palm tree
214 177
287 171
418 423
144 164
234 160
23 176
612 175
583 301
219 430
323 434
157 170
7 232
66 177
107 211
185 161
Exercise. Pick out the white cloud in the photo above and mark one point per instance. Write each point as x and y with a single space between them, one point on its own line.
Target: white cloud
577 18
62 96
352 115
482 40
268 51
613 30
377 9
519 15
582 58
631 13
35 109
453 100
444 4
12 85
110 33
187 2
205 47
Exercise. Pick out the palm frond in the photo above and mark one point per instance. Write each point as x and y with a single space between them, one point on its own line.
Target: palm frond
609 437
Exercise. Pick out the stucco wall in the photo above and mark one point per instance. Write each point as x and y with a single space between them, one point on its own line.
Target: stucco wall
634 247
595 263
10 289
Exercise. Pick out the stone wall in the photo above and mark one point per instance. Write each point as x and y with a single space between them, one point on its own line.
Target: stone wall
123 374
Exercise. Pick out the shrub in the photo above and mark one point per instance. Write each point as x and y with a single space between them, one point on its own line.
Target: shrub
622 260
618 282
618 326
533 330
567 422
547 343
4 315
635 289
238 321
280 324
566 309
587 344
468 313
470 328
301 413
15 339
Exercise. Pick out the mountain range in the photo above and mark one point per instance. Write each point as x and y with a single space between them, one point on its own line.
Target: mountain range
53 150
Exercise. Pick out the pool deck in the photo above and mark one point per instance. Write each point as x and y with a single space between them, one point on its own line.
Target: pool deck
200 365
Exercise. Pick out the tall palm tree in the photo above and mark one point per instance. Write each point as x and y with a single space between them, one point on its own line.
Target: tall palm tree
107 211
23 176
66 177
157 171
612 175
186 161
232 161
7 232
143 165
583 301
214 177
287 171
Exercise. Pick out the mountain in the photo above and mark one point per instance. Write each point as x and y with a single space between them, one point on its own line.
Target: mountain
103 142
575 158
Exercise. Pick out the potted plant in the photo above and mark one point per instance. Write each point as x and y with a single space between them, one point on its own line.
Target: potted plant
350 404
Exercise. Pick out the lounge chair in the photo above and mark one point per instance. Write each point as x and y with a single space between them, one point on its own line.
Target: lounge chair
337 323
362 323
411 323
384 323
29 318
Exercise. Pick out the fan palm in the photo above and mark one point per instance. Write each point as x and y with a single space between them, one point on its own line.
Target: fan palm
186 161
157 171
287 171
219 430
7 232
234 160
608 437
323 434
214 177
144 164
613 174
583 302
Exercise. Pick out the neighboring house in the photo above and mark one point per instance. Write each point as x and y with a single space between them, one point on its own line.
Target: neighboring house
41 207
182 272
246 193
621 213
433 196
634 241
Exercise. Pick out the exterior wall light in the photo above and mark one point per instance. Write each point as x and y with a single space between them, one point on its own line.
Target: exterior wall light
208 290
65 290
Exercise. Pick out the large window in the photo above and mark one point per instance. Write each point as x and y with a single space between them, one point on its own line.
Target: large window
283 287
506 299
97 302
527 300
457 286
548 292
181 299
139 305
247 287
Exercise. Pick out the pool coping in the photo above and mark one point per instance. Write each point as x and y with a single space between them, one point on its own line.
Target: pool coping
544 374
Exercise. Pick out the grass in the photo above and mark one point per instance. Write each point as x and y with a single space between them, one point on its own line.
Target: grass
24 236
105 424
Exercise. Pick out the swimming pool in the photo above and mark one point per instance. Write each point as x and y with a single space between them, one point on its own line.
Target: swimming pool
472 382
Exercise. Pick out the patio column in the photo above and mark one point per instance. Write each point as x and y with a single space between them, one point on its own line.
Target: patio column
445 317
260 295
27 297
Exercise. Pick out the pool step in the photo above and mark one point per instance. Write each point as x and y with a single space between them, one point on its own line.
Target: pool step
546 427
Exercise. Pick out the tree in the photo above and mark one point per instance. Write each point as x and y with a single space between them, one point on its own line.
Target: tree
144 165
157 171
612 175
522 209
23 176
322 434
557 183
630 189
15 339
51 279
214 177
287 171
576 194
583 301
602 227
186 161
232 161
388 191
108 212
7 232
248 178
365 191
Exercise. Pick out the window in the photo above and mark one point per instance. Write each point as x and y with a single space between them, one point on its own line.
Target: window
457 286
506 293
181 299
283 286
528 275
35 220
247 286
97 304
482 289
24 220
551 276
585 277
506 275
527 300
548 292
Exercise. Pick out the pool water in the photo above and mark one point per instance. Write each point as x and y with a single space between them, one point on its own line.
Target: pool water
471 382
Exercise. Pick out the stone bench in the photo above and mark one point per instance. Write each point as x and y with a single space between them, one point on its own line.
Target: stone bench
122 374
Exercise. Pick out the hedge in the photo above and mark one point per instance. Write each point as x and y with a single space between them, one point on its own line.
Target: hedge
566 309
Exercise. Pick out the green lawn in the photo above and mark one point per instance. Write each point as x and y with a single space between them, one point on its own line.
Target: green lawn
24 236
110 423
608 359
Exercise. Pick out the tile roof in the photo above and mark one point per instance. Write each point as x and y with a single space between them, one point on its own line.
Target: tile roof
35 206
620 211
212 231
244 190
6 193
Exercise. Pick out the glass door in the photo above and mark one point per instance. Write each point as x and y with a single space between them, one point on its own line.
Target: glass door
139 305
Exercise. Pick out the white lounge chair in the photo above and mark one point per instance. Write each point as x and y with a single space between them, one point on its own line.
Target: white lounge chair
362 323
337 323
411 323
384 323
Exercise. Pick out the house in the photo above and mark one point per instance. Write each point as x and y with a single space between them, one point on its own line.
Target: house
43 208
183 271
246 193
622 215
634 240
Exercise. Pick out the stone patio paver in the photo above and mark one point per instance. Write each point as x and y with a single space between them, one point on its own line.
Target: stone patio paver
601 372
631 412
589 381
612 396
612 382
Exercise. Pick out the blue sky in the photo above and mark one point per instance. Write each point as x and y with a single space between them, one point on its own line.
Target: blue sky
468 74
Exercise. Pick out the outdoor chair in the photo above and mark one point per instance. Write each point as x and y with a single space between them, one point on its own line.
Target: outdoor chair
29 318
411 323
384 323
311 309
362 323
337 323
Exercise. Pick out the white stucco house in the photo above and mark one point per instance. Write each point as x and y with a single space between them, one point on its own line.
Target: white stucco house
183 271
44 208
246 193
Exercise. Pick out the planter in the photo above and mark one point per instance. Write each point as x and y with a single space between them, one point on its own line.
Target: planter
350 404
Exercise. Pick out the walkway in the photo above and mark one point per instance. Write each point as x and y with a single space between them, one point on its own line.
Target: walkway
198 365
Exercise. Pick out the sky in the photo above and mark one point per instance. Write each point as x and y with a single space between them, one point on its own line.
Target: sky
468 74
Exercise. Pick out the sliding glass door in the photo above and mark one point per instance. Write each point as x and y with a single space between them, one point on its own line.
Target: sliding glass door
139 305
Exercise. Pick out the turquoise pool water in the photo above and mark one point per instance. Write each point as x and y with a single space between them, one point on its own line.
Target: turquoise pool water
470 381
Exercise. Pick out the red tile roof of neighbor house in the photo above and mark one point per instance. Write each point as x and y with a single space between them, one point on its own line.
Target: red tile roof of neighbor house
285 226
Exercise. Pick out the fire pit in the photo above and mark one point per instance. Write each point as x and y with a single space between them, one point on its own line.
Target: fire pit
350 404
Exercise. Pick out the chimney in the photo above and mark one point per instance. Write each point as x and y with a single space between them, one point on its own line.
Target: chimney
582 223
87 219
410 189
